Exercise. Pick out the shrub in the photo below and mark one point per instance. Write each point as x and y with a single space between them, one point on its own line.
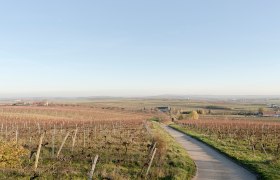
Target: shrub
201 111
194 115
180 117
261 111
10 155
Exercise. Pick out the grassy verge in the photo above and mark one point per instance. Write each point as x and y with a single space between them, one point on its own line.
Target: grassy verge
265 166
176 160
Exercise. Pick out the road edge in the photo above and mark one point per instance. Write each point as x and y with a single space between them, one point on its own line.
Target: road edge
231 158
196 172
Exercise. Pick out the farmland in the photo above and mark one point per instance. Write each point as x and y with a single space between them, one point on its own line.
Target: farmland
66 142
128 140
253 143
233 127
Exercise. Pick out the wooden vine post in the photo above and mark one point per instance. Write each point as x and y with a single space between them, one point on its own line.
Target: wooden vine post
53 141
74 139
151 161
62 144
38 152
93 167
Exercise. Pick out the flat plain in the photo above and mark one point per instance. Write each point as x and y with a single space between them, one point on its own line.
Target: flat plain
63 140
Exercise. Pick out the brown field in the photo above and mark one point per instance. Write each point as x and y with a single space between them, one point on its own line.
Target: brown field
123 140
259 134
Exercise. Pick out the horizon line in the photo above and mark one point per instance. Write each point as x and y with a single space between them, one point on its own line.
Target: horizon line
177 96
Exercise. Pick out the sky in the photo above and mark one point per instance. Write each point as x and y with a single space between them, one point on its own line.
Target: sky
139 48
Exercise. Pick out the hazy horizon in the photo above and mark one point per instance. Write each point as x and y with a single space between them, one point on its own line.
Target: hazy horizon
145 48
176 96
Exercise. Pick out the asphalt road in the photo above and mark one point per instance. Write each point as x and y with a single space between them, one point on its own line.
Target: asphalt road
210 163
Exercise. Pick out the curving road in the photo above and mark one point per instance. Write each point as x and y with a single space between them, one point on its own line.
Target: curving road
210 163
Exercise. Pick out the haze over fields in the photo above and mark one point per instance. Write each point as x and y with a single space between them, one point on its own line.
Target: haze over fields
144 48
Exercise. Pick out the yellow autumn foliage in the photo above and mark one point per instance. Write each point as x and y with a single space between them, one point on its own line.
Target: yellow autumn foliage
194 115
11 155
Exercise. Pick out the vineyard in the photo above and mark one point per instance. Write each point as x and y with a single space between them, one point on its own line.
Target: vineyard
84 143
255 143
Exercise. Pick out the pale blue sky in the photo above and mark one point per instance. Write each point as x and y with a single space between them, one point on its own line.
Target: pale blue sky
147 47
